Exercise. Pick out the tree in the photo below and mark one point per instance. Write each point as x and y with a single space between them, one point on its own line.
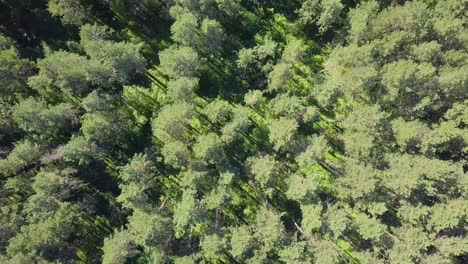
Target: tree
302 188
25 152
325 251
187 214
218 198
257 61
213 35
269 230
362 179
98 101
362 126
11 221
123 58
337 220
55 183
279 76
172 122
266 172
138 178
237 127
150 230
118 248
311 217
51 187
406 75
80 151
49 236
282 131
241 242
293 52
323 13
212 246
70 11
25 258
296 252
14 71
180 62
209 148
229 131
56 72
254 98
182 89
314 152
218 111
105 127
9 130
35 117
176 154
185 30
412 241
91 33
287 106
369 227
113 61
360 18
199 8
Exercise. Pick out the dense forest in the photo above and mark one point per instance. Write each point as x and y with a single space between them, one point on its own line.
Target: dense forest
233 131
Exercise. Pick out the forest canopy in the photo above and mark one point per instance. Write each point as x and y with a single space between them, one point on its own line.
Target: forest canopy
233 131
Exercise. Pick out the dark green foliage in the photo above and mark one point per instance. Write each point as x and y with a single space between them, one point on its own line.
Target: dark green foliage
14 71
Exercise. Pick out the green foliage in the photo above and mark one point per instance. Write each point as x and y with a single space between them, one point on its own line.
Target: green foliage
47 237
241 242
105 127
254 98
317 147
79 150
118 248
180 62
35 117
322 13
175 153
282 131
151 230
405 74
311 220
269 229
185 30
56 72
182 89
172 122
209 148
137 178
228 131
71 12
218 111
212 246
213 34
279 76
24 153
237 127
266 172
297 252
187 215
14 71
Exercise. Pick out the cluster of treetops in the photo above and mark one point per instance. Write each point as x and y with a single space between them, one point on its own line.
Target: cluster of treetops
233 131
